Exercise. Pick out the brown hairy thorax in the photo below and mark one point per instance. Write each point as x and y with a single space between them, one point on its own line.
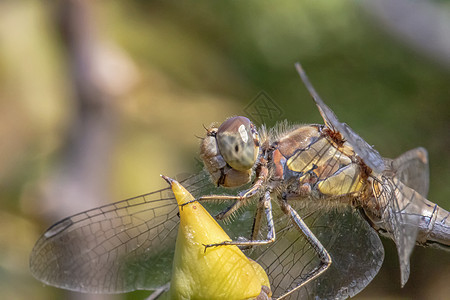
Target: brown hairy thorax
335 136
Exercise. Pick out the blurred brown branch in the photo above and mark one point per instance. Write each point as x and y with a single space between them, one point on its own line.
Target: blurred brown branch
100 74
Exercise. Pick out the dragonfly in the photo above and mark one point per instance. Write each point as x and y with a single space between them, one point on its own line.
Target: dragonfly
333 195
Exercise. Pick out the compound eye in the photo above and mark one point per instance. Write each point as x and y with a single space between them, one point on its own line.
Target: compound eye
238 143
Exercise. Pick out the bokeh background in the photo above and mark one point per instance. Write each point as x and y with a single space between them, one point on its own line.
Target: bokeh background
97 98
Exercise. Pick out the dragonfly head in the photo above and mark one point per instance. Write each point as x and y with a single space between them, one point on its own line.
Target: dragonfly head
230 151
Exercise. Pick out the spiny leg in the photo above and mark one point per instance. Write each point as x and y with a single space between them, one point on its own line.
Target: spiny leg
256 227
322 253
265 203
159 292
241 199
257 220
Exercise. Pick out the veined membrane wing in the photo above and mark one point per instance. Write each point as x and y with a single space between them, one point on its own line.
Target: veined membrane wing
412 169
370 156
115 248
403 212
355 248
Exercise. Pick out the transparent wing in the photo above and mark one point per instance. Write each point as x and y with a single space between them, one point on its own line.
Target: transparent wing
370 156
400 189
412 169
400 193
401 209
355 249
119 247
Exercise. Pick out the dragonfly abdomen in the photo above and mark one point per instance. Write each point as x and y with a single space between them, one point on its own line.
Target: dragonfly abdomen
434 228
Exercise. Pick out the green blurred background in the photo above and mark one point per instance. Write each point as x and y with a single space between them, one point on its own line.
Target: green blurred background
166 68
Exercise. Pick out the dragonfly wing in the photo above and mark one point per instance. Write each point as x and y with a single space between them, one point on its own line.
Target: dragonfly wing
412 169
370 156
402 209
355 248
119 247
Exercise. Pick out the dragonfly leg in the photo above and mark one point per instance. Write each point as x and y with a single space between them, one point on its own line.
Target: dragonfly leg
158 292
266 205
257 220
322 253
241 200
256 227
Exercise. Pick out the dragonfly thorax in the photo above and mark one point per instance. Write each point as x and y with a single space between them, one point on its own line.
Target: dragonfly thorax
310 158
